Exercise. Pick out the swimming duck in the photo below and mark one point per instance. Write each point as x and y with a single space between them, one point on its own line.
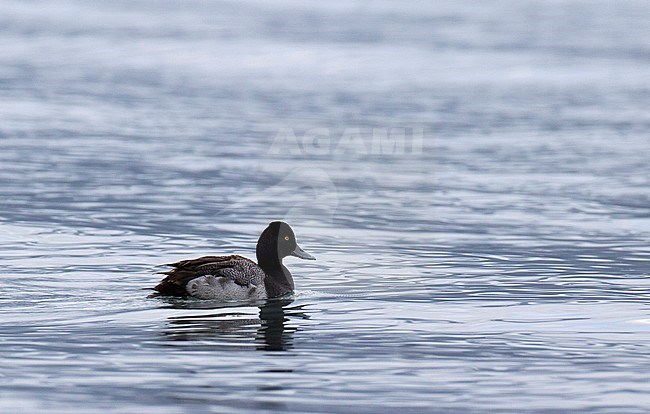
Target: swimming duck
234 277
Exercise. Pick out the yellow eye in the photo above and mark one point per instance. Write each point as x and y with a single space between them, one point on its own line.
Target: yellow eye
286 238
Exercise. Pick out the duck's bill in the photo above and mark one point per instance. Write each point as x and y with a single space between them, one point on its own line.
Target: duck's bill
298 252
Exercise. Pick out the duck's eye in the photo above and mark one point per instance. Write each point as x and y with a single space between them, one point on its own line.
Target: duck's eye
286 238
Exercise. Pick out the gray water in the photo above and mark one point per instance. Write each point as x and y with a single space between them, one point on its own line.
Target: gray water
501 265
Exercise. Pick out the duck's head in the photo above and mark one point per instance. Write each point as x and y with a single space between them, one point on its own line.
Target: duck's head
279 241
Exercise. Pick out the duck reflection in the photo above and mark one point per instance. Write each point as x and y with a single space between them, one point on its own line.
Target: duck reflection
270 330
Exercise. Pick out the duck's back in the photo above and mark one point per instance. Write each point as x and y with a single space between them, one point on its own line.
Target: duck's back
215 277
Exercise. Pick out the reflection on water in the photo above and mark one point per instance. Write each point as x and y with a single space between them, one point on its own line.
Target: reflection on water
270 331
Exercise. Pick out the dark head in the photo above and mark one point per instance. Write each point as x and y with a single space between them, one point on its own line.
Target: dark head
277 242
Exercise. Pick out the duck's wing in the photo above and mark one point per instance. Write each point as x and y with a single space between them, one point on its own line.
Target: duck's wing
184 271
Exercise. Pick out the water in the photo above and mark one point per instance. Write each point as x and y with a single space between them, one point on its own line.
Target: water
504 266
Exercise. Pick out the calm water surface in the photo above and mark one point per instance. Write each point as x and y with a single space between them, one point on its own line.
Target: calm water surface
504 266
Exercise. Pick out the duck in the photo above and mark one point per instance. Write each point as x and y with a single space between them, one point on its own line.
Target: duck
237 278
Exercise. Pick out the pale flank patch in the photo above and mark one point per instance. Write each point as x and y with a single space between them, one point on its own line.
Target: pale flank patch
224 289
